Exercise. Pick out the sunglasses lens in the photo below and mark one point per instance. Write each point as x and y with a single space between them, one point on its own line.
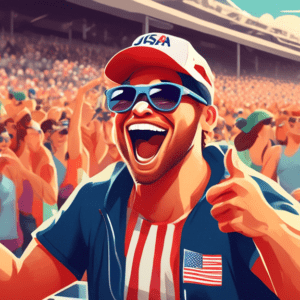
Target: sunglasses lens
165 97
4 139
121 99
63 132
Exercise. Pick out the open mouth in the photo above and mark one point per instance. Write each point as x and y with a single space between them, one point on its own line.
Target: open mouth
146 140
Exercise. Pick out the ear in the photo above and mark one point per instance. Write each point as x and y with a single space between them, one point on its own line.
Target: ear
209 118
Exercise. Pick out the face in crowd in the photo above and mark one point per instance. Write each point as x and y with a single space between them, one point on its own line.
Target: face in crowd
5 140
33 139
294 125
59 138
12 130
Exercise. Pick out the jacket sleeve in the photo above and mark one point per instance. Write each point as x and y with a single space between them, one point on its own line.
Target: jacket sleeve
62 235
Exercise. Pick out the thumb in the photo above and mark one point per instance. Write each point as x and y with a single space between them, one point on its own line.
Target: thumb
231 165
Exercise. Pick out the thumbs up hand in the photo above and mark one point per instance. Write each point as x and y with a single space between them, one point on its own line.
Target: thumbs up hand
239 205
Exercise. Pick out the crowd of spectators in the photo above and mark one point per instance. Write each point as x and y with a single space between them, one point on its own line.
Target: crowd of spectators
55 128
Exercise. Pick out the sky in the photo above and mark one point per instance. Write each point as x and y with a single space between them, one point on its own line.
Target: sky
259 7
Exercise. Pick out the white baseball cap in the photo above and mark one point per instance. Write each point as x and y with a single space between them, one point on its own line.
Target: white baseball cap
166 51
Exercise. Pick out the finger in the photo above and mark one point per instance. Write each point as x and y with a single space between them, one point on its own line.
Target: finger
235 225
227 210
226 190
223 196
231 166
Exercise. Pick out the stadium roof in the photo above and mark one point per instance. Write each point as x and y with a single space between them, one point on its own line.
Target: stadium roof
224 21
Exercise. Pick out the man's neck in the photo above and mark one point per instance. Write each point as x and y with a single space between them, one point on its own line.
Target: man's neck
176 193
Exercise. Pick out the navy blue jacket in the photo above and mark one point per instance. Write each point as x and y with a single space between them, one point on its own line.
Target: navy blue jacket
89 233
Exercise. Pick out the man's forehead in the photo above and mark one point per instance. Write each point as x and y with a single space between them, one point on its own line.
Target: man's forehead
149 75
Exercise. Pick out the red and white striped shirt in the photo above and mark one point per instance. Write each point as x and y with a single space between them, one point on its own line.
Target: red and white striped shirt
152 259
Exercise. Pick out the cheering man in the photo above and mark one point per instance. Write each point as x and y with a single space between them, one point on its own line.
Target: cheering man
171 222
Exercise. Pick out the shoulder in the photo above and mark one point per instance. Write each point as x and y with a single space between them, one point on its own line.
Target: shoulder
46 157
273 152
286 207
106 173
94 188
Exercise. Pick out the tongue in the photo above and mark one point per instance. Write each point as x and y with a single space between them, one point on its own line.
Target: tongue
147 149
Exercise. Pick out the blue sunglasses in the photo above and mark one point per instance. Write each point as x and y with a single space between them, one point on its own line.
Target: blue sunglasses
5 139
163 97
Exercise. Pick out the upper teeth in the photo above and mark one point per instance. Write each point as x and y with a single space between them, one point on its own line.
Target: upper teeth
145 127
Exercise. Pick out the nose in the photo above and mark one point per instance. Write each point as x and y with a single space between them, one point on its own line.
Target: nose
142 107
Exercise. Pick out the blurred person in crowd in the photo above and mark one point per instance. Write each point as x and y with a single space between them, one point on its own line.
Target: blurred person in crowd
227 113
11 235
56 140
58 113
111 153
38 115
78 160
40 183
282 128
220 131
92 135
71 160
18 102
12 130
282 163
97 131
255 138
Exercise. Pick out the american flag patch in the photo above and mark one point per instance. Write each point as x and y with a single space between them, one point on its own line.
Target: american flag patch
202 269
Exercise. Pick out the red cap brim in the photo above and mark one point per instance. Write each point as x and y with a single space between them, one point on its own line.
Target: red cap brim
124 63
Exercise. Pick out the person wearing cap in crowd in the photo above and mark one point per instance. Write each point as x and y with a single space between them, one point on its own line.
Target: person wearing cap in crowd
56 140
77 156
162 225
282 162
19 102
32 94
70 156
38 173
255 138
11 235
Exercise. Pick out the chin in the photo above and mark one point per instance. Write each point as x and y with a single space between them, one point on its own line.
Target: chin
145 178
